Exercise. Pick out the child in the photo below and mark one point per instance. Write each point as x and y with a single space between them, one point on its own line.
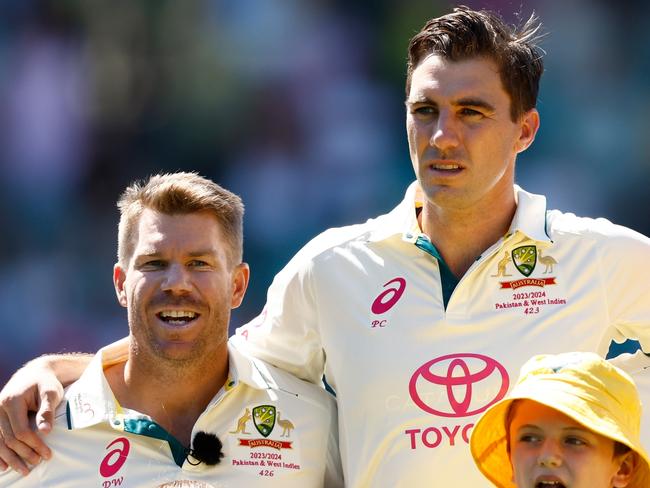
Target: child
572 420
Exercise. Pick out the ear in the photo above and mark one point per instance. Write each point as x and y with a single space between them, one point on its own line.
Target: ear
240 276
119 277
528 125
628 463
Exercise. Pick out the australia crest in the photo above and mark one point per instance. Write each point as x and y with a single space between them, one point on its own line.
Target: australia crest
264 419
525 259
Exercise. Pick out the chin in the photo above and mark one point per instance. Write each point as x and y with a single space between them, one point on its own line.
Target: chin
179 352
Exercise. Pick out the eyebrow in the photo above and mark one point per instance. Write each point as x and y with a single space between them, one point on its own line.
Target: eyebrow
206 252
461 102
473 102
564 429
193 254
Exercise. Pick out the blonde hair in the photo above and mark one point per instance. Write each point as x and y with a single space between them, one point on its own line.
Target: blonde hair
179 193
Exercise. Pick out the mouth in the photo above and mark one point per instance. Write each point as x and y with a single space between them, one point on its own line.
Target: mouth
446 167
177 318
550 484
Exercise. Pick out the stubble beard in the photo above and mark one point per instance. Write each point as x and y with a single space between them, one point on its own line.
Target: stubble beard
147 351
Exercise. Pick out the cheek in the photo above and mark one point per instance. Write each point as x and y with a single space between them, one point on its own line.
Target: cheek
410 137
603 460
414 134
139 290
218 291
520 461
502 147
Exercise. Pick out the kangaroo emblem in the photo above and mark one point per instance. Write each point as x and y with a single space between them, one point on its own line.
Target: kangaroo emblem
501 266
241 423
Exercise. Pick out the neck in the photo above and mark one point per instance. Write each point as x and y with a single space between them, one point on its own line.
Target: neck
461 235
172 395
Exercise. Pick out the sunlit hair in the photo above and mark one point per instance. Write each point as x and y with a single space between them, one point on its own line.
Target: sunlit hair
179 193
467 33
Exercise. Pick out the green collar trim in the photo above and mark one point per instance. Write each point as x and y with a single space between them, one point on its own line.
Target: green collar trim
67 415
149 428
448 280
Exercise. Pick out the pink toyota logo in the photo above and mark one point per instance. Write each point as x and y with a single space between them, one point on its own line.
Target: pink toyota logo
454 378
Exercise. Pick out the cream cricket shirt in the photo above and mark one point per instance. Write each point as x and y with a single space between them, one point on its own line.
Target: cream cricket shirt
276 431
415 356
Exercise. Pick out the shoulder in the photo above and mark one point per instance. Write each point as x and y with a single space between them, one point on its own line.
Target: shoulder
599 230
321 249
262 375
313 396
337 237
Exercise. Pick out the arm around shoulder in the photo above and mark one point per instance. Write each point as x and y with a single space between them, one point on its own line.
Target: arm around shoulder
67 368
36 387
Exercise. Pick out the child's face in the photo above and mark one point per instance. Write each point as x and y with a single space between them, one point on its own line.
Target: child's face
550 450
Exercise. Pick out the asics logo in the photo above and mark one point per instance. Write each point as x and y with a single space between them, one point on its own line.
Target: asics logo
389 297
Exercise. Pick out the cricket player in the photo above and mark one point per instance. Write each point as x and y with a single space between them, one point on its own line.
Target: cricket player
181 404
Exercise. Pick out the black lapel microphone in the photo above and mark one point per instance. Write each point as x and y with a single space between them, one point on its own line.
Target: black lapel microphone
206 448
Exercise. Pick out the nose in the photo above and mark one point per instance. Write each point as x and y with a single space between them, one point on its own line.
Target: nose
550 455
445 132
177 280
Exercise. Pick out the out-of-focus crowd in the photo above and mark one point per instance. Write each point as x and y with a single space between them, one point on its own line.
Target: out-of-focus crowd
297 105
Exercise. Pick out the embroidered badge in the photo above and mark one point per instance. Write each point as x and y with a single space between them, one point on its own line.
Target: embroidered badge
264 419
525 259
268 455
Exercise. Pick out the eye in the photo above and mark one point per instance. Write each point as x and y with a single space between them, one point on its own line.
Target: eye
575 441
197 263
529 438
423 111
470 112
153 264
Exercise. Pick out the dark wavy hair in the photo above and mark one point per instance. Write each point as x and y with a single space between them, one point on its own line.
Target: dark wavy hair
467 33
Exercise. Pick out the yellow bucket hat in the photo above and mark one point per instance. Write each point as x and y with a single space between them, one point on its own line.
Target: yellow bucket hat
583 386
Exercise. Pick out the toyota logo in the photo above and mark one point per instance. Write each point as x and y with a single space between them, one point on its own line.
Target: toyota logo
455 378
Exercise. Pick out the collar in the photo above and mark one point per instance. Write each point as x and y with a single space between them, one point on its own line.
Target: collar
529 218
402 220
249 370
90 399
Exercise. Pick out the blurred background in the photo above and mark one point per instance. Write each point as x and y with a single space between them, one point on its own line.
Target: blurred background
296 105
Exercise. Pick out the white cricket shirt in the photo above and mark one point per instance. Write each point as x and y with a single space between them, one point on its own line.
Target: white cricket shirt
276 430
415 356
